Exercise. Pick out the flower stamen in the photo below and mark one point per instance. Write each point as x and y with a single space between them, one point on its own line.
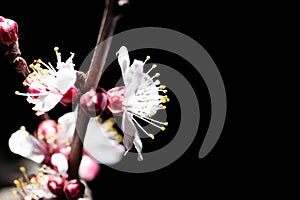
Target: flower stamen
148 134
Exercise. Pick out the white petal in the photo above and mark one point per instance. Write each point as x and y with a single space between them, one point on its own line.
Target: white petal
132 81
103 149
67 124
123 59
26 145
65 79
137 66
47 102
138 146
60 161
129 130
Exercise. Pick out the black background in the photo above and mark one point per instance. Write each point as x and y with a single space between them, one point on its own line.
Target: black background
236 165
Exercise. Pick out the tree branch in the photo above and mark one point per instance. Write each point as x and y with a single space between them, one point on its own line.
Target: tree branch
107 28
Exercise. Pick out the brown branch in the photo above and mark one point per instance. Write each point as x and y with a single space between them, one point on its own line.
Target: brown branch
107 28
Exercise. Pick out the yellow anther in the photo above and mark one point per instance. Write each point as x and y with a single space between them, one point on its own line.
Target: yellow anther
168 99
147 100
40 175
165 91
119 138
163 128
14 191
25 84
147 58
166 123
162 106
39 61
16 182
154 66
148 115
40 136
44 166
17 92
163 101
22 128
151 136
162 87
22 169
31 66
157 75
33 181
56 48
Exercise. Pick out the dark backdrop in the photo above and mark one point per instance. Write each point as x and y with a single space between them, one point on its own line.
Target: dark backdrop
219 28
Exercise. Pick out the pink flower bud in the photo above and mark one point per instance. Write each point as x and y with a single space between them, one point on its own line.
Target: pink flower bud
115 98
89 168
56 185
8 31
47 134
47 129
70 96
94 102
74 189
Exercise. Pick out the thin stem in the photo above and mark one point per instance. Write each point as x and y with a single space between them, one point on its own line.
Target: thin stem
107 28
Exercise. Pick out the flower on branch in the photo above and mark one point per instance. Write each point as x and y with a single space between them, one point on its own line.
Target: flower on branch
48 86
139 98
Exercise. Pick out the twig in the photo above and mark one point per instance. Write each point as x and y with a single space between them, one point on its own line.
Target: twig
107 28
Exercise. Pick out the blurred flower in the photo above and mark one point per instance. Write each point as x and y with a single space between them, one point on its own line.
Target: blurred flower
33 186
8 31
47 87
50 144
101 141
46 183
140 98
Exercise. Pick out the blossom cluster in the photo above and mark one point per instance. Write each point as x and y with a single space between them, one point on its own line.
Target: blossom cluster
45 86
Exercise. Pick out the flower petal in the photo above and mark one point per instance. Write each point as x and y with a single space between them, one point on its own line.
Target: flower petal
66 125
131 136
26 145
138 146
65 79
129 130
116 98
96 141
99 146
123 59
133 80
60 161
137 66
46 102
89 168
